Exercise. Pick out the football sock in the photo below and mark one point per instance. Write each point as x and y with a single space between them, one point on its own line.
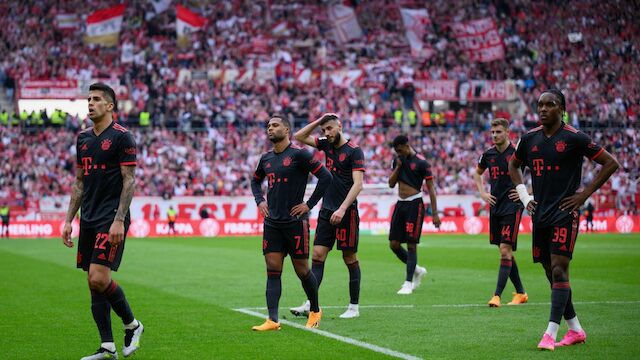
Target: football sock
111 346
317 268
401 253
503 275
552 329
310 286
574 324
274 290
514 275
412 260
569 311
560 292
101 311
119 303
354 282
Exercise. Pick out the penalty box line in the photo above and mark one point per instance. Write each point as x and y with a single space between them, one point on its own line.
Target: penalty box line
344 339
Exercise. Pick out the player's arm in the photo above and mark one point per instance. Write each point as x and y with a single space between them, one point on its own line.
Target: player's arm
393 178
358 178
256 189
609 166
517 178
324 180
74 205
434 203
116 231
304 134
477 177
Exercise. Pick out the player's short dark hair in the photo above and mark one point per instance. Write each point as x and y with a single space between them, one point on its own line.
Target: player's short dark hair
560 96
328 117
107 91
400 140
500 122
283 118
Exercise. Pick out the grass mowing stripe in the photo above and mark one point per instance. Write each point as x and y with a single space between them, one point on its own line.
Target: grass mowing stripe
362 344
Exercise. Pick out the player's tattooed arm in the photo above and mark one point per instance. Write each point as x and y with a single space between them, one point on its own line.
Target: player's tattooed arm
76 196
128 188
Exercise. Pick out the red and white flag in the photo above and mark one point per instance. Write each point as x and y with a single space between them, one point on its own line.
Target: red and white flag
417 24
479 39
103 26
187 22
345 23
281 28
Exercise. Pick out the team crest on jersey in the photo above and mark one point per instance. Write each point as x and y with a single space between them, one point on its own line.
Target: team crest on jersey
561 146
342 157
412 166
105 144
286 161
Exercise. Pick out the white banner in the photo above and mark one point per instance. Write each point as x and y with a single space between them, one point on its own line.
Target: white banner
479 39
345 23
416 23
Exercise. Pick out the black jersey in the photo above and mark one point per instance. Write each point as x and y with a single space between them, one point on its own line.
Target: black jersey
556 168
498 165
341 162
414 170
287 173
100 158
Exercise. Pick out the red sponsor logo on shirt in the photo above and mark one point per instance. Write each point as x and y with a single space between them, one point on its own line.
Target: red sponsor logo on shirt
286 161
105 144
561 146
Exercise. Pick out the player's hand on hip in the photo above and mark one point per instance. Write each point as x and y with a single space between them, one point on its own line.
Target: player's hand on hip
531 207
264 209
116 232
436 221
299 210
513 195
490 199
573 202
66 235
337 216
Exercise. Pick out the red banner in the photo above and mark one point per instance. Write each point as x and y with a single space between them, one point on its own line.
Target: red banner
473 90
212 228
479 39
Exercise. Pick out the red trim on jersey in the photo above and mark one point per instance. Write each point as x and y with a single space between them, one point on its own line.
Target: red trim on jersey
256 176
535 129
127 163
418 226
516 226
597 154
506 262
119 127
316 141
515 157
112 253
419 156
305 234
316 169
571 128
352 145
574 231
357 169
352 229
428 177
86 130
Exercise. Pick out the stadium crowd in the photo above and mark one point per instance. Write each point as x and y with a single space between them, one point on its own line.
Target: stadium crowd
206 132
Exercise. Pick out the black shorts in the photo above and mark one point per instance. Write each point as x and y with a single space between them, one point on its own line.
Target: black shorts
94 247
172 224
503 229
347 232
558 240
5 220
290 238
406 221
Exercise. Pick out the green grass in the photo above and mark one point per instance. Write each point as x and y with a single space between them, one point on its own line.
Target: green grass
184 291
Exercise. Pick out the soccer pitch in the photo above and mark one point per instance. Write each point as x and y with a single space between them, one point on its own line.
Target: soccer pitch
196 298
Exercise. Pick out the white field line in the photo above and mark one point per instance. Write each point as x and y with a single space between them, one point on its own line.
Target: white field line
362 344
538 304
344 307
